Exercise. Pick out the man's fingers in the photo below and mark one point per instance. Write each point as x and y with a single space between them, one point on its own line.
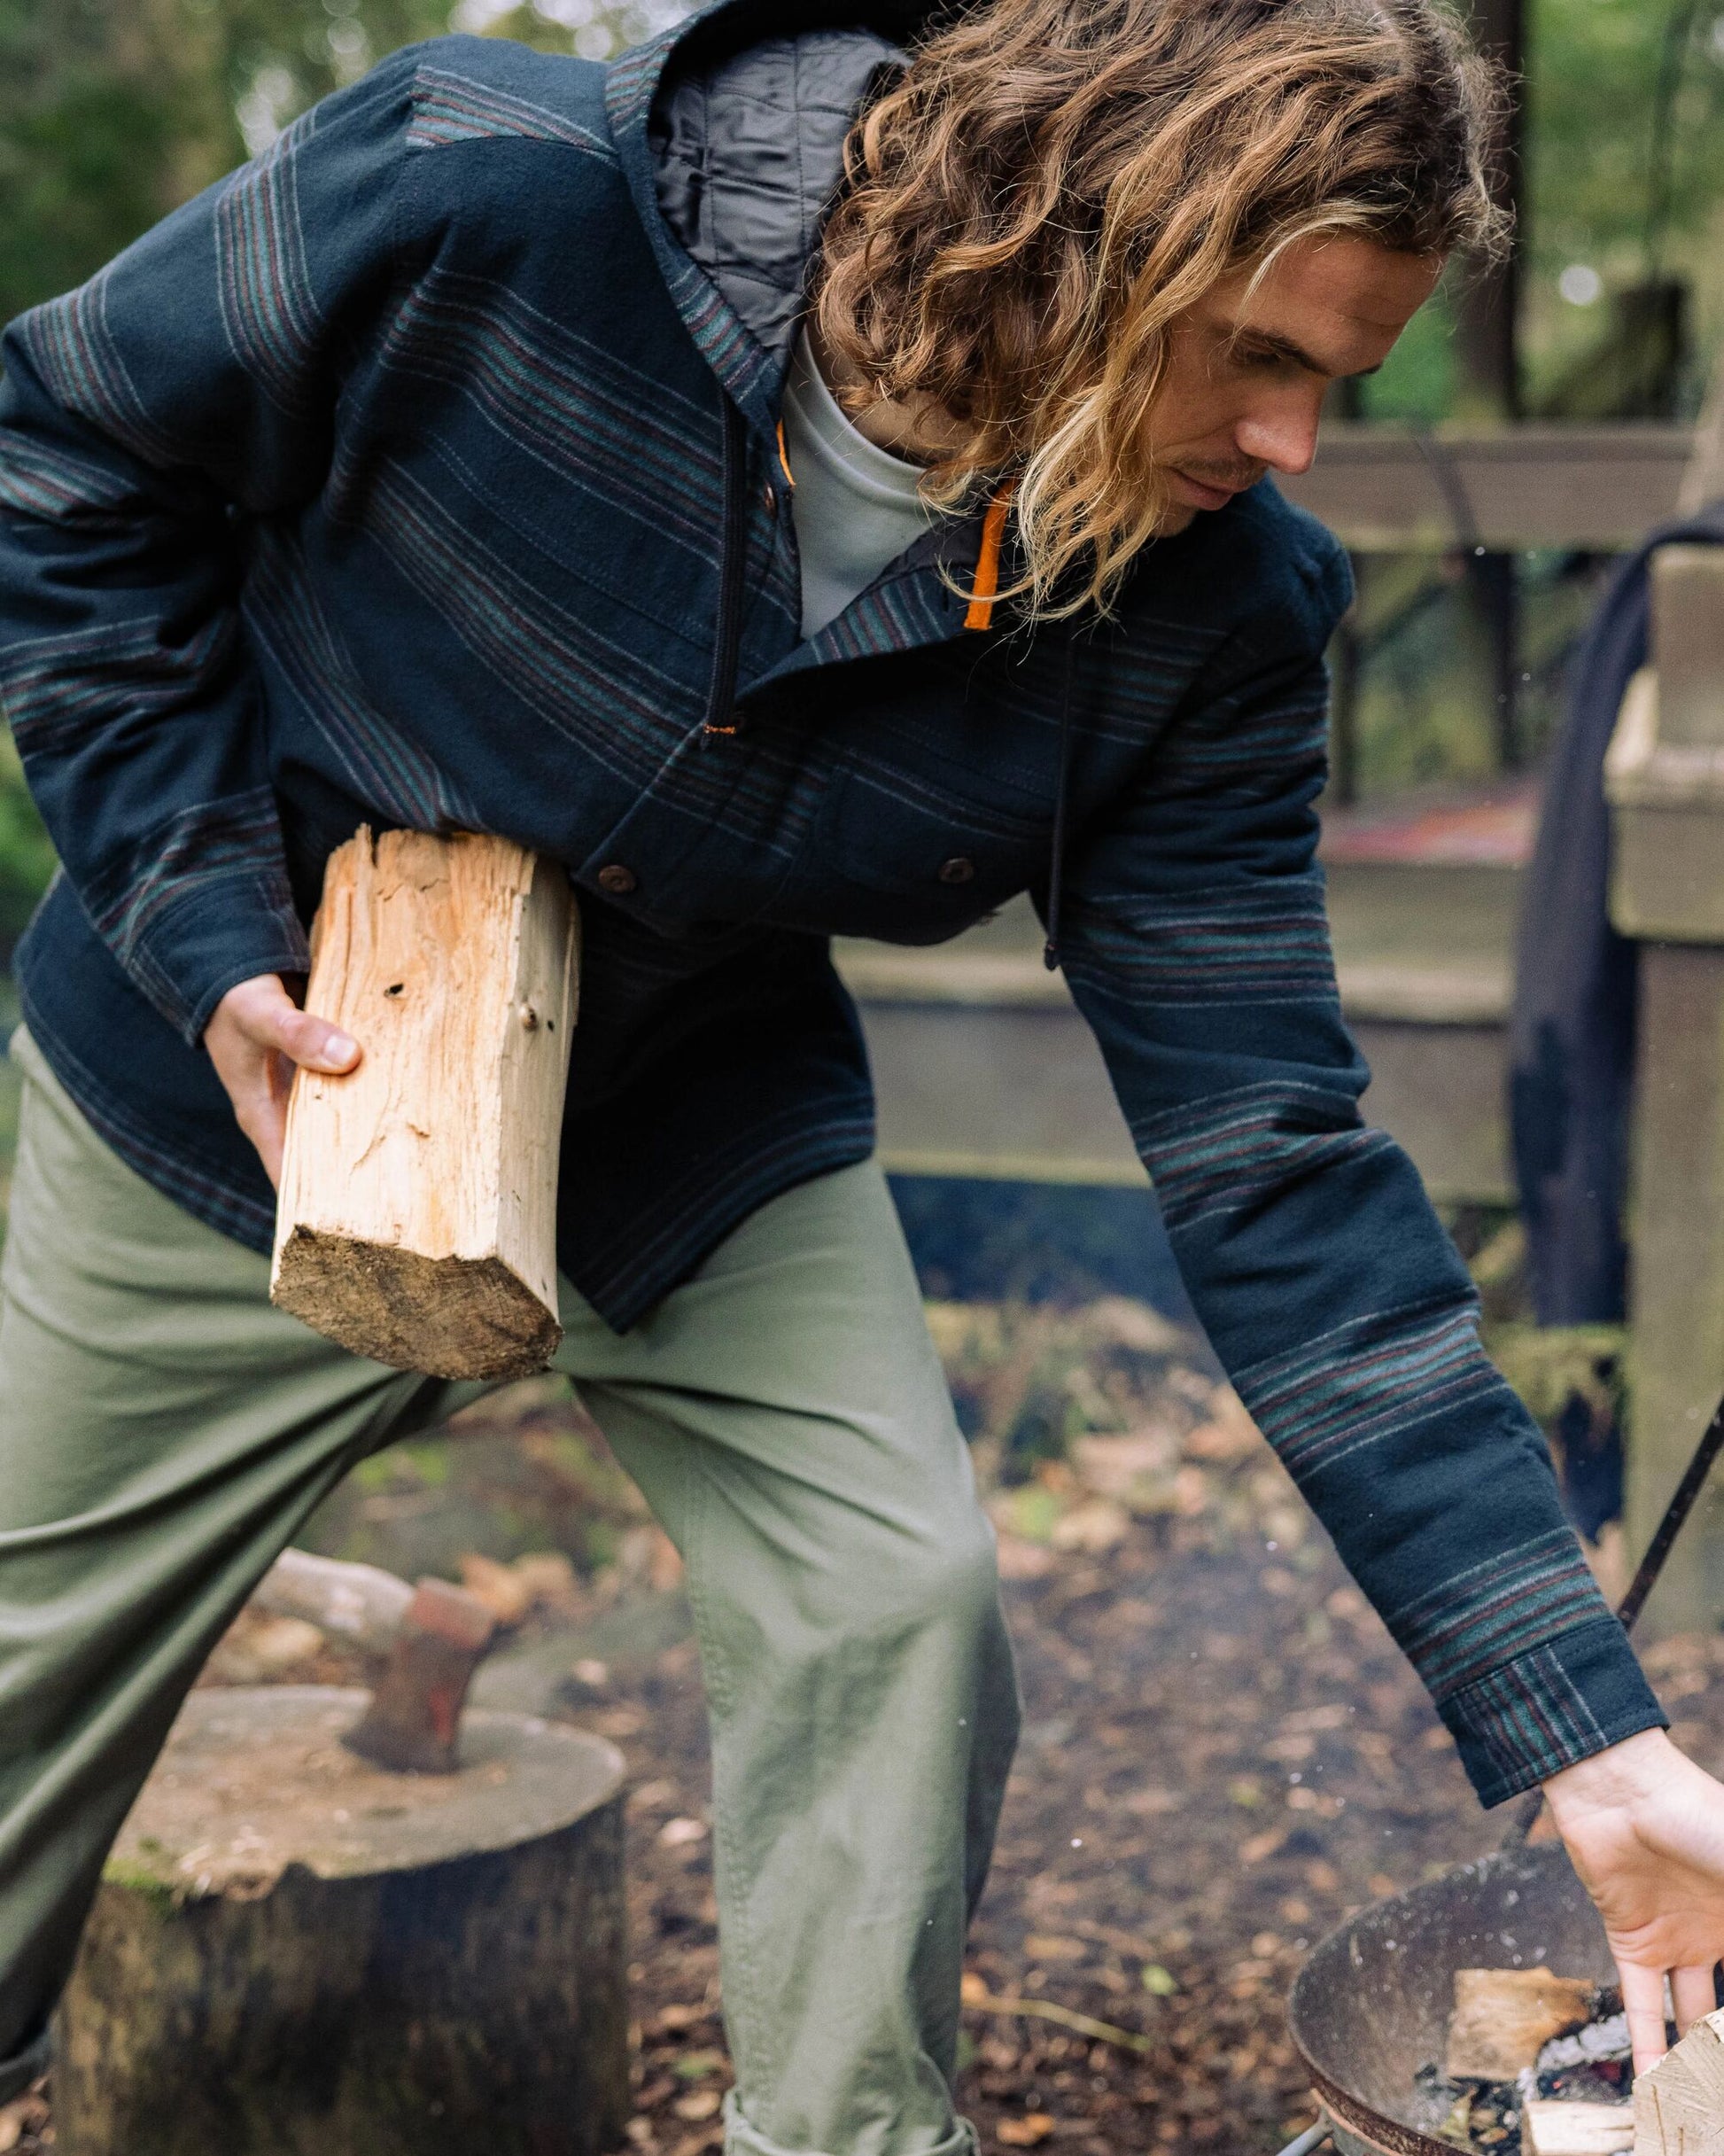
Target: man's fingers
267 1128
1642 2001
312 1043
1694 1994
261 1109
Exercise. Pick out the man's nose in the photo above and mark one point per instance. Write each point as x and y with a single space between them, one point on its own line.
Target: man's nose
1282 435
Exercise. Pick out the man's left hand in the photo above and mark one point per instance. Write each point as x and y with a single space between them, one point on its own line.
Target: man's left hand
1644 1827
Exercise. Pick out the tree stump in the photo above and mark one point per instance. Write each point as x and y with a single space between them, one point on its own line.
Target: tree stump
293 1953
416 1221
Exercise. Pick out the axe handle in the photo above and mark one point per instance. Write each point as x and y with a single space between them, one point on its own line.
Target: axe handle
359 1603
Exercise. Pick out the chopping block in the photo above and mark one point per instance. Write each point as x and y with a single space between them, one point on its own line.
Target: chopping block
416 1218
298 1951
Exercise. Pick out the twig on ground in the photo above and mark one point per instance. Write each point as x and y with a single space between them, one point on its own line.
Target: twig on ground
1044 2009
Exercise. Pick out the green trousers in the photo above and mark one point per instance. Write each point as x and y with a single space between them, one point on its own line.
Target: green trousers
165 1431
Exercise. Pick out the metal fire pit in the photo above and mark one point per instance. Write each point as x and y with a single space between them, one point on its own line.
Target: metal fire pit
1371 2004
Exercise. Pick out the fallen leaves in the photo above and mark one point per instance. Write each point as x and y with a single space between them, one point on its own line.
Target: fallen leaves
1022 1560
1028 2132
681 1833
544 1582
1093 1528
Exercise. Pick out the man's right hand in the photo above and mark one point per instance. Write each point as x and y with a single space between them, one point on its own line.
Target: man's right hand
256 1037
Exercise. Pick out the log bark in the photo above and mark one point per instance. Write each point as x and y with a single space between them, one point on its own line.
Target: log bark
1679 2105
416 1221
293 1953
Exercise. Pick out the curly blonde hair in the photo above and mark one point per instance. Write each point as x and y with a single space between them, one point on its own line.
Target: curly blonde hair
1050 183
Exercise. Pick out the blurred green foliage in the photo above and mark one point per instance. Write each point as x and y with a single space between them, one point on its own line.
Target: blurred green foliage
1624 177
1624 160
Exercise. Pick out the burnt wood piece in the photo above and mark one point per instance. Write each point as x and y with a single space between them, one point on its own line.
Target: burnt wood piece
1503 2019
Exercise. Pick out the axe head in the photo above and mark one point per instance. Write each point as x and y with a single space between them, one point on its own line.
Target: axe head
413 1723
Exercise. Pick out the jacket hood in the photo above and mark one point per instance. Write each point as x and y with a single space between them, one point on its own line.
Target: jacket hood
731 129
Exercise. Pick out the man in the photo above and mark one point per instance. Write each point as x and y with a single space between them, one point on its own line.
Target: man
535 447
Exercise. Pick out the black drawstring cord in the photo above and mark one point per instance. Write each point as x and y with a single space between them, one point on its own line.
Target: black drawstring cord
721 716
1057 852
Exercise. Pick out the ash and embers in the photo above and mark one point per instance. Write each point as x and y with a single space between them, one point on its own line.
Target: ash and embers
1592 2066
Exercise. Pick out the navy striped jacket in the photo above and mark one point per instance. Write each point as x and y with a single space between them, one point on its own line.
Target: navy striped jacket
384 482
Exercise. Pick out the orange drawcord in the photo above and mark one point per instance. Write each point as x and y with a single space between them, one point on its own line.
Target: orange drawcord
980 613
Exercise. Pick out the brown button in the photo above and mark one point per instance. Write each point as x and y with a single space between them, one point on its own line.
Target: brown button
615 877
959 869
769 496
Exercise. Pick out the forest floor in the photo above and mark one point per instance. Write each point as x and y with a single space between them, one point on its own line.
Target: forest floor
1224 1752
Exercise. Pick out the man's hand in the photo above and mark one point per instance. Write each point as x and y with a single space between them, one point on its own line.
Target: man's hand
255 1037
1645 1829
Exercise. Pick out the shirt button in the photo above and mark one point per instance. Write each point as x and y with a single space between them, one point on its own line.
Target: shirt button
616 878
959 869
769 497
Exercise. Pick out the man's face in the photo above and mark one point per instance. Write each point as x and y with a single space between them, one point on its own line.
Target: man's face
1247 366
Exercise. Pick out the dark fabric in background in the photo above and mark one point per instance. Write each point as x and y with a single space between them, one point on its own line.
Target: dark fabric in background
1572 1028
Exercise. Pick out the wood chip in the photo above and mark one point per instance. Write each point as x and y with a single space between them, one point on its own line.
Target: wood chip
1503 2018
1679 2104
1559 2129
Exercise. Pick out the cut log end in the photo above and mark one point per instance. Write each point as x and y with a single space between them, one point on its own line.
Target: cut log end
447 1317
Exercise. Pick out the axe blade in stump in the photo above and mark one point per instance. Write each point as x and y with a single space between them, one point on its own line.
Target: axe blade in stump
413 1723
416 1220
431 1640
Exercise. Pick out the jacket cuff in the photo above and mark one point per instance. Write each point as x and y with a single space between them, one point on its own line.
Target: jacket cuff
1548 1708
224 932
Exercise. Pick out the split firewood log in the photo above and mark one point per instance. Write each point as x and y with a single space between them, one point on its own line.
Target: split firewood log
1679 2104
417 1212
